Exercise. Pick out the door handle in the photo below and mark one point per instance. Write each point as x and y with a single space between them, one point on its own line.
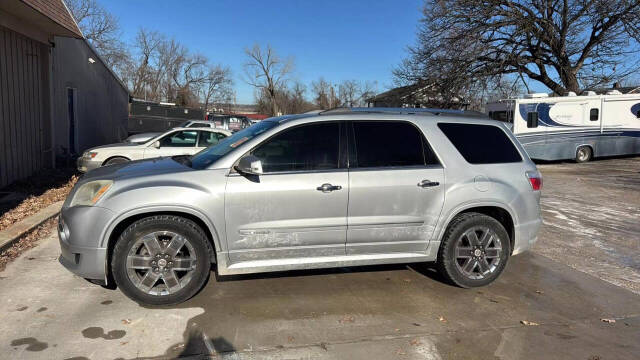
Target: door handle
428 183
325 188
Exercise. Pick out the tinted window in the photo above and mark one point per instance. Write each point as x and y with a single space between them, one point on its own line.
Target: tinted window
209 138
384 144
180 139
593 114
307 147
481 144
532 120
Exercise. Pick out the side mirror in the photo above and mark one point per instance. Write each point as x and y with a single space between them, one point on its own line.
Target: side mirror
249 165
156 144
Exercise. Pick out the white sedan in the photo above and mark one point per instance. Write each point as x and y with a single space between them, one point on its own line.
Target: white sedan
178 141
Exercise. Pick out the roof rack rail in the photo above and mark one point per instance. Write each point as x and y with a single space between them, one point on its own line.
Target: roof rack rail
389 110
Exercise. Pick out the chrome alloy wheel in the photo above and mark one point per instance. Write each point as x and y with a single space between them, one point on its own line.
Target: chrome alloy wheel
477 252
161 263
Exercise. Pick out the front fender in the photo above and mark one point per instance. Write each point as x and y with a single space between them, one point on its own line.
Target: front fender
162 209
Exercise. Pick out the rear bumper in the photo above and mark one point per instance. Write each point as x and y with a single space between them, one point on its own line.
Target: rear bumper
85 164
80 232
526 234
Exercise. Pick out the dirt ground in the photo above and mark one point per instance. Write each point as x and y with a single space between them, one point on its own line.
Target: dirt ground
570 298
27 197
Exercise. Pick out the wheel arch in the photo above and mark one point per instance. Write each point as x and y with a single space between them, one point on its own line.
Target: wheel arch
123 221
502 213
113 157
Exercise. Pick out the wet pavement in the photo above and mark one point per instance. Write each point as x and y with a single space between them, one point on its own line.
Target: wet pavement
382 312
591 218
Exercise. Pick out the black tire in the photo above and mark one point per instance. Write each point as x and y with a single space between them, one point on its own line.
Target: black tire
116 160
450 267
132 235
584 154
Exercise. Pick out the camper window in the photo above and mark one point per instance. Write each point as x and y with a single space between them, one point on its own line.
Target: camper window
532 120
503 116
593 115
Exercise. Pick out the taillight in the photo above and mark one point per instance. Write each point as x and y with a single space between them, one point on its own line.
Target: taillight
535 179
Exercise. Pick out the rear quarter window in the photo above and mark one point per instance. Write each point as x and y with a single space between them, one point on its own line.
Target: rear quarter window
481 144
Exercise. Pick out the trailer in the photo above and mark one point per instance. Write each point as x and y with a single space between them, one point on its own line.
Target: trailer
148 116
573 127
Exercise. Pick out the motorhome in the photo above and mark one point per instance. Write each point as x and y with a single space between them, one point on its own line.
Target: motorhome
573 127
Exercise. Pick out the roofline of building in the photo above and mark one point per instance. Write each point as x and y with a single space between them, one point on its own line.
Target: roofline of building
95 52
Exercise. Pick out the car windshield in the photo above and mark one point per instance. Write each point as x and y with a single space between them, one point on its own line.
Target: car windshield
209 155
184 124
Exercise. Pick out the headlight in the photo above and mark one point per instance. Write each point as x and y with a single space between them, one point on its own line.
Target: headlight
88 194
90 154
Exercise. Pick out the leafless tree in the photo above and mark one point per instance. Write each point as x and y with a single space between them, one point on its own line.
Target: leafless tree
102 30
144 72
368 89
267 71
349 93
566 45
217 86
324 94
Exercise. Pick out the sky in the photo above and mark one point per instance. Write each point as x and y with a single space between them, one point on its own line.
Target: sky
339 40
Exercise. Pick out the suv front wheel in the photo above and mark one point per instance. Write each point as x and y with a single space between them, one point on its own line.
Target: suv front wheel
161 260
474 250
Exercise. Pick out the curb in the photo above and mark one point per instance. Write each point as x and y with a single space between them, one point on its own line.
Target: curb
14 232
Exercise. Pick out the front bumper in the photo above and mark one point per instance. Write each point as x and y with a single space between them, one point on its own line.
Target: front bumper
526 235
81 230
85 164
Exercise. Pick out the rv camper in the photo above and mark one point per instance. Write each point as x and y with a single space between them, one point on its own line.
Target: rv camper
573 127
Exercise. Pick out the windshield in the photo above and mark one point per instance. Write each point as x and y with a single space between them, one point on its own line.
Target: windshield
209 155
184 124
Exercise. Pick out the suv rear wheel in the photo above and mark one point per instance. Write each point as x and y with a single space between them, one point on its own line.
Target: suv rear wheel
474 250
161 260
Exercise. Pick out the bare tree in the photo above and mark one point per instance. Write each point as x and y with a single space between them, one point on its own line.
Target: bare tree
267 71
102 30
566 45
141 76
349 93
368 90
217 86
324 94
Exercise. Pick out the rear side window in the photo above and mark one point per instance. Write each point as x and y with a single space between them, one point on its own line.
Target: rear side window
593 115
209 138
481 144
387 144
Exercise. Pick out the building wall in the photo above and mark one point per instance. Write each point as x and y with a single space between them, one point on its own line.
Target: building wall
25 128
100 101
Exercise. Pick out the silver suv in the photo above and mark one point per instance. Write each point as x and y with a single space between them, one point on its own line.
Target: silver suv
334 189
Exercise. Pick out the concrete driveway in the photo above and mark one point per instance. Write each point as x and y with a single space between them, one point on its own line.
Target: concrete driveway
359 313
591 243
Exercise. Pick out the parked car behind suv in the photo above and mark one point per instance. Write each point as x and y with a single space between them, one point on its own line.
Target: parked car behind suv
146 136
178 141
320 190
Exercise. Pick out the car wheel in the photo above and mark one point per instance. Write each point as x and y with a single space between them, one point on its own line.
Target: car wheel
474 250
161 260
116 160
583 154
